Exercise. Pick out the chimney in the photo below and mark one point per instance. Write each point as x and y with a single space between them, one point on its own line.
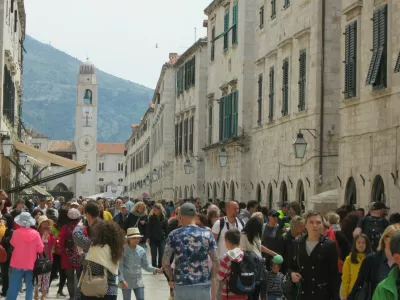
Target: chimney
173 57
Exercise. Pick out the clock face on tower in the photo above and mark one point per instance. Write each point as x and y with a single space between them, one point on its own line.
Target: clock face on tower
86 143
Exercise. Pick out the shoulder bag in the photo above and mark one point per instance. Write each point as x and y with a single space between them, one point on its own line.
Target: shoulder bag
93 286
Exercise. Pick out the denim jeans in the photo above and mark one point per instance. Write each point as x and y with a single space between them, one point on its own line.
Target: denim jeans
192 292
157 246
15 284
139 293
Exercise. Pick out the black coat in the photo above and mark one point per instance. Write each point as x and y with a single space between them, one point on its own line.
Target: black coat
135 221
288 243
157 228
319 271
120 220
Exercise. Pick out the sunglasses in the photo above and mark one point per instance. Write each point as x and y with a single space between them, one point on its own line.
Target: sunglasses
275 216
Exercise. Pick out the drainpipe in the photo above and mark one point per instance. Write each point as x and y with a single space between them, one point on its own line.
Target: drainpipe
321 117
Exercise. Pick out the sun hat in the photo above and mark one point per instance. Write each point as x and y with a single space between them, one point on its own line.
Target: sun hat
278 259
25 219
42 219
75 203
188 210
73 214
133 232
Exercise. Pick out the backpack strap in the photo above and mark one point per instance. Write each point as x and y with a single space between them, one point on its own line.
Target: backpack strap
241 222
221 226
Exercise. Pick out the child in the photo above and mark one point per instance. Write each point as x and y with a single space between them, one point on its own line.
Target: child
352 264
274 279
130 274
232 241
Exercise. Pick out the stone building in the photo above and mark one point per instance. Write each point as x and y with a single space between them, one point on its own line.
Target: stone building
191 83
12 36
369 107
297 87
230 94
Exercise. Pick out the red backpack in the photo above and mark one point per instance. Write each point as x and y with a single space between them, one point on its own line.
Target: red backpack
70 248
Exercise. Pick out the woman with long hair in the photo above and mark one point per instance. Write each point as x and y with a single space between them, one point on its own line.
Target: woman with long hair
138 218
104 256
157 234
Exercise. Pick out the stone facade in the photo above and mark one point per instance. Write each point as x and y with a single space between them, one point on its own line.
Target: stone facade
190 121
369 119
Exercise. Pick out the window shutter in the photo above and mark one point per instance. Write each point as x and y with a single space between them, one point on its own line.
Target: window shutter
193 70
185 139
228 113
273 9
285 87
191 134
234 23
271 93
375 40
286 4
352 68
235 114
259 100
212 43
226 27
221 118
397 67
302 80
176 139
180 137
346 61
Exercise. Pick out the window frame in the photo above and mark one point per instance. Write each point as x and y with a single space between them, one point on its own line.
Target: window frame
260 83
262 16
285 87
271 93
302 80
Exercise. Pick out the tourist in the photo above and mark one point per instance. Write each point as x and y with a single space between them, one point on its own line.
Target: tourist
271 236
121 216
116 209
157 233
252 207
8 221
138 218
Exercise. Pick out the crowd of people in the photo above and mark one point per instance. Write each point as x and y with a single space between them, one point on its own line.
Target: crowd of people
221 250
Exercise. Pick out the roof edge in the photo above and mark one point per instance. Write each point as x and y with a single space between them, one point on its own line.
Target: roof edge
192 49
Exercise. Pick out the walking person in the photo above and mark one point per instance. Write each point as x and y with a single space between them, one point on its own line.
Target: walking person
138 218
157 232
27 245
191 246
134 259
5 242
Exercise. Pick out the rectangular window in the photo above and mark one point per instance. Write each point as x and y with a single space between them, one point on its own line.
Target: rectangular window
377 76
212 43
12 6
286 4
210 122
350 73
191 129
179 80
8 96
226 27
15 21
147 153
193 71
285 87
176 139
134 164
180 137
259 99
234 24
221 117
271 93
262 17
273 9
235 112
185 136
228 117
302 79
397 67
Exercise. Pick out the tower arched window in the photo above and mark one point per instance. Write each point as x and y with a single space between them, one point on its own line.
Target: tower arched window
87 97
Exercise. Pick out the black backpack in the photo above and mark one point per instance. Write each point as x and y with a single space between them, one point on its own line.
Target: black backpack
243 275
374 228
222 225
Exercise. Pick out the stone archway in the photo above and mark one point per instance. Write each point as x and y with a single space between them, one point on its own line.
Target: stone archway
378 190
258 193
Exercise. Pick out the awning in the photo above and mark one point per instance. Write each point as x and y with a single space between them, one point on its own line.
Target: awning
48 157
36 190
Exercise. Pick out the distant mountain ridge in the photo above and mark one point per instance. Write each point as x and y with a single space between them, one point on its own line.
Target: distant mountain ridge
49 96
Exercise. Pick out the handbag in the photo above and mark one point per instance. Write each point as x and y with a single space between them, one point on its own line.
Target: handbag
42 265
363 292
93 286
290 289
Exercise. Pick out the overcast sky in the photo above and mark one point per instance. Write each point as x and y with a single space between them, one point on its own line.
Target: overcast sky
119 36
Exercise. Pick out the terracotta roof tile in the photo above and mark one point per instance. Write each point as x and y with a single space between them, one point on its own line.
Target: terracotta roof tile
110 148
61 146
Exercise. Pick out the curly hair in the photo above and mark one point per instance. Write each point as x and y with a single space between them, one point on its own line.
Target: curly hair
109 233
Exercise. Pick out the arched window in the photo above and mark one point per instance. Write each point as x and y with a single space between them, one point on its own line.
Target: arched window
101 179
87 97
223 191
232 190
258 193
180 192
176 193
284 193
378 190
61 187
191 191
120 180
351 192
301 195
270 196
215 196
185 195
208 191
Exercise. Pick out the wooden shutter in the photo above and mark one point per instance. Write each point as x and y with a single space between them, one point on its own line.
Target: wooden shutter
185 136
176 139
273 9
397 67
191 126
302 80
234 23
271 93
352 61
193 70
226 27
259 100
285 87
212 43
235 113
180 137
261 17
221 118
227 116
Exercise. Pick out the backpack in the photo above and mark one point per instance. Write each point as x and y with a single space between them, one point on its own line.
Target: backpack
243 275
374 228
70 248
222 225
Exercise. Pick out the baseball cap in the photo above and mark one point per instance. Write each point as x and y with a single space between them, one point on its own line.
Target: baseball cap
273 213
379 205
188 210
123 205
278 259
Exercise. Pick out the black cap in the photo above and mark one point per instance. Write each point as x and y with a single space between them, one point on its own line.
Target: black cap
273 213
379 205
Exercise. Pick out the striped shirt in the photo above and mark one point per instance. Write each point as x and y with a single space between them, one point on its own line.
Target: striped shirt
225 269
274 284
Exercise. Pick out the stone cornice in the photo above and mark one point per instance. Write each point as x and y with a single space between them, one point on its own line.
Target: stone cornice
302 33
260 61
213 5
285 43
353 9
272 53
189 52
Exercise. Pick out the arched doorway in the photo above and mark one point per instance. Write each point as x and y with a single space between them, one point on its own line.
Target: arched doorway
191 191
270 196
351 192
378 190
185 194
61 190
180 192
175 193
301 195
209 191
283 197
232 191
223 191
214 190
258 193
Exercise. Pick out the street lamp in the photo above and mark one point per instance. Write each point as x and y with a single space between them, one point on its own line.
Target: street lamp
22 158
223 157
7 146
299 145
147 180
187 166
154 175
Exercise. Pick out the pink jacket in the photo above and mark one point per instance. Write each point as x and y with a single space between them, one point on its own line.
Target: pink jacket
27 244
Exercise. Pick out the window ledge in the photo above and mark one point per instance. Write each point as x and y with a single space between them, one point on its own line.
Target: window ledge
273 18
284 118
270 122
301 113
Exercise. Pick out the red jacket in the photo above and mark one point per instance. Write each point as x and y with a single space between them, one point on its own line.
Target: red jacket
62 238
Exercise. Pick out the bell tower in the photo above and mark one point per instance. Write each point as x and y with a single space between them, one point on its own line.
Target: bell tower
86 128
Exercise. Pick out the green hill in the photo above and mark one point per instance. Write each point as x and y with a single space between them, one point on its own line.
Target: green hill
49 87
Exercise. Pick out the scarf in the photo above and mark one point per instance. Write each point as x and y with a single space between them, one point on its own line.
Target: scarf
102 255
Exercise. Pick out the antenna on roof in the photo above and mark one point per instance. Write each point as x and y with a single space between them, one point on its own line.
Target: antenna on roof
195 34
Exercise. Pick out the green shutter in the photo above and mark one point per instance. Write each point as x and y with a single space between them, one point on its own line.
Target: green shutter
271 93
346 61
234 23
193 70
285 87
302 80
397 67
226 27
212 43
235 113
273 9
228 117
352 62
259 99
286 4
221 118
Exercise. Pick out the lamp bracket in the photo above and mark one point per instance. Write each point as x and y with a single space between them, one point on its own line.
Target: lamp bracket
196 158
310 131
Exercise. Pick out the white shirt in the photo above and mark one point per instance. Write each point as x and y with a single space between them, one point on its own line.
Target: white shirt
221 243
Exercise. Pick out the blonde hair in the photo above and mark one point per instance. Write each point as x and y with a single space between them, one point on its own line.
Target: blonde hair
295 221
389 231
139 205
333 218
259 215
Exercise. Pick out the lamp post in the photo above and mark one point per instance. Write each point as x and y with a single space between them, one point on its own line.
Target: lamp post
22 158
299 145
154 175
187 166
7 146
223 157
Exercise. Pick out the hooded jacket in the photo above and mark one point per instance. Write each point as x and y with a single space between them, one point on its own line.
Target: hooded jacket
27 245
244 215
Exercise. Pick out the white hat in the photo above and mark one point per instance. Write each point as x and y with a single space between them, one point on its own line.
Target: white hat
25 219
133 232
74 214
74 203
42 219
